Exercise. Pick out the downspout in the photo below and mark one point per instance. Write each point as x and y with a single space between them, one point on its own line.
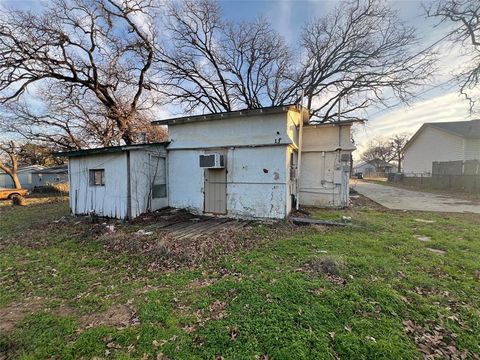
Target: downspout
129 192
300 143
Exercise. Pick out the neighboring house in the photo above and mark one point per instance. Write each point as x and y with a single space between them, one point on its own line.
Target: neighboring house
443 141
239 164
374 167
51 175
26 175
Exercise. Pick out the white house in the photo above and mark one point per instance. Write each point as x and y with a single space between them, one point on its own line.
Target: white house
26 175
443 141
374 168
240 164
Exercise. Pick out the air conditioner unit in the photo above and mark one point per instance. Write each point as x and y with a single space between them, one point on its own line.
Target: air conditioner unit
212 161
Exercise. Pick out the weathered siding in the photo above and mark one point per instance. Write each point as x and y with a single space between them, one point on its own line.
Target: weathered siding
324 177
185 180
109 200
238 131
142 171
256 182
431 145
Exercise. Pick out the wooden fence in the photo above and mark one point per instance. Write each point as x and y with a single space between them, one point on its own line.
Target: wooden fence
448 175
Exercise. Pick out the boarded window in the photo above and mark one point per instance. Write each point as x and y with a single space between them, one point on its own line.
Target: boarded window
97 177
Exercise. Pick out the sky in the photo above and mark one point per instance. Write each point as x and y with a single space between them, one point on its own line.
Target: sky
438 101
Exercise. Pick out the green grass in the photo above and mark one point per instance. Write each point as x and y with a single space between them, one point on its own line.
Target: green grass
262 302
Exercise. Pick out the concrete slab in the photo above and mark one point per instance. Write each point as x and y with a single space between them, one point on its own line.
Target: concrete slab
401 199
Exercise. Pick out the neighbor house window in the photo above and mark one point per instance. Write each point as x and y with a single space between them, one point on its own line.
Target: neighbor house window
97 177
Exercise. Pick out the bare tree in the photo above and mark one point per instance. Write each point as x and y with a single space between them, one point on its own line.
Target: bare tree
100 49
9 161
464 15
379 150
397 145
71 122
210 65
358 55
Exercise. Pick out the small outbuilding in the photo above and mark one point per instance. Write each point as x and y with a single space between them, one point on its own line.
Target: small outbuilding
119 181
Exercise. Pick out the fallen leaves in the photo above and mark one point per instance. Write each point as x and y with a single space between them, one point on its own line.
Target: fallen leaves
436 343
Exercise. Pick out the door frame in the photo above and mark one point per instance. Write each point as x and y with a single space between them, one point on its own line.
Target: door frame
224 169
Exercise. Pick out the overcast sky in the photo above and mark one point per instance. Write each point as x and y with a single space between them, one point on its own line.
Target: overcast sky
438 101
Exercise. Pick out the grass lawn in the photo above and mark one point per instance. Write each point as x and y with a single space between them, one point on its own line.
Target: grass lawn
369 291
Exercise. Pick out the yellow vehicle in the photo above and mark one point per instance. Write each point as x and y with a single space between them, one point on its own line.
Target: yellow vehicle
9 193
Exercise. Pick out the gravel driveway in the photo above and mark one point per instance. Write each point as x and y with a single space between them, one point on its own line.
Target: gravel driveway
401 199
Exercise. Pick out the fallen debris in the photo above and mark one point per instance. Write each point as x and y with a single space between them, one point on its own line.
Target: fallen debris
422 238
308 221
437 251
425 221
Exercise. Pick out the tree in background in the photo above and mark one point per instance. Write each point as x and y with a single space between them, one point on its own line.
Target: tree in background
464 15
93 50
382 150
397 145
9 161
208 64
378 151
36 154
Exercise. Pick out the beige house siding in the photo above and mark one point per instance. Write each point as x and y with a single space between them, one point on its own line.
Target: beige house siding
432 145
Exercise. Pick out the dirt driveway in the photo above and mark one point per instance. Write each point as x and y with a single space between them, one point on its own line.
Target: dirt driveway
401 199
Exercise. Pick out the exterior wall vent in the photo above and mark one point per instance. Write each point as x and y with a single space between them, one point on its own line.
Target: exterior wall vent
212 161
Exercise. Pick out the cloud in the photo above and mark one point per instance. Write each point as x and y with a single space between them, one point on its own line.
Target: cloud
442 108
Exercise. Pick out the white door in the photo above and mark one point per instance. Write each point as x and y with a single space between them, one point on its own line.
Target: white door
158 171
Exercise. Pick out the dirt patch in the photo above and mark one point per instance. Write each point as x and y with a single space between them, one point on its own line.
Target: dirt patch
119 316
165 251
15 313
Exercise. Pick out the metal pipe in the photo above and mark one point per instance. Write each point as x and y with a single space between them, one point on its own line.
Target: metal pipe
299 160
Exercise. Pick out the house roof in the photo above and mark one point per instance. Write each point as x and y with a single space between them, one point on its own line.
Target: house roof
27 169
465 129
237 113
376 163
59 169
107 150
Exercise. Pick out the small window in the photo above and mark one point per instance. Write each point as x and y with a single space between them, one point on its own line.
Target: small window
97 177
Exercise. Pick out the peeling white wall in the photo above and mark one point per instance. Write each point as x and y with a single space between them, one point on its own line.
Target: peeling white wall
185 180
232 131
256 182
141 175
256 163
324 178
109 200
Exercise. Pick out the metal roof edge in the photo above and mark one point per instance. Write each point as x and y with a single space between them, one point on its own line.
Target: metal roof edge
107 150
229 114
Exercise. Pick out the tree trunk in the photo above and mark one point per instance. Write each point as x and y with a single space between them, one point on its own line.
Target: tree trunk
16 181
399 166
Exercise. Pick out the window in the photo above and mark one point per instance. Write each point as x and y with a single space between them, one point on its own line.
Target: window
159 188
97 177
